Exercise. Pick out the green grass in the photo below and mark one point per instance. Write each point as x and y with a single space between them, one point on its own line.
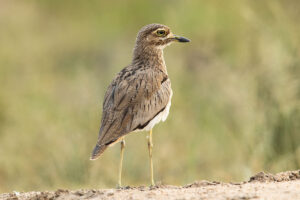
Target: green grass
236 103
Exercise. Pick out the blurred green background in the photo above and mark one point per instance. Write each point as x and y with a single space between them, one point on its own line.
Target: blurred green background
236 103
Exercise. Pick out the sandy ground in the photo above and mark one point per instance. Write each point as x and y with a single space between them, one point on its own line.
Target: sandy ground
285 185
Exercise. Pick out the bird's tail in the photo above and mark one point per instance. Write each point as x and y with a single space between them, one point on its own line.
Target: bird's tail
98 150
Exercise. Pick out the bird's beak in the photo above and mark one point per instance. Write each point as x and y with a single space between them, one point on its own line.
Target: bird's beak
180 39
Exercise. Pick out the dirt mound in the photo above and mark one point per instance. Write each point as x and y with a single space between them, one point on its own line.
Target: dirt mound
285 185
283 176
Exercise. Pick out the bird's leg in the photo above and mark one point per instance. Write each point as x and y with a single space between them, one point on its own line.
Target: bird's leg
150 145
121 162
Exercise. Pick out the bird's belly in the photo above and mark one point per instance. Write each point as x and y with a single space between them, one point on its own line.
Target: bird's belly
162 116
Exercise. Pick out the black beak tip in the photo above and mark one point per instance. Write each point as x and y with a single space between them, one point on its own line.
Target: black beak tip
182 39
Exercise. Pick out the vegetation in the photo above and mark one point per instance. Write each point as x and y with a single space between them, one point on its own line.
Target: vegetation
235 109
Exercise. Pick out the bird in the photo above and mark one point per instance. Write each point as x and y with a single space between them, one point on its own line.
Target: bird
140 95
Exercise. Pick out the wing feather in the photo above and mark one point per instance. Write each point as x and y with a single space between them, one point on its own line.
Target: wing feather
131 101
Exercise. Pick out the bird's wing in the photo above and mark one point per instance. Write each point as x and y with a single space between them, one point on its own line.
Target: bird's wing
132 100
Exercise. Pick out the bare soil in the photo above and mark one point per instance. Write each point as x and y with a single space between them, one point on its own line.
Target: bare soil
284 185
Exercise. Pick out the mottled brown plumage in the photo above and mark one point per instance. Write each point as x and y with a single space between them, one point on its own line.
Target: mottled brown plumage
141 92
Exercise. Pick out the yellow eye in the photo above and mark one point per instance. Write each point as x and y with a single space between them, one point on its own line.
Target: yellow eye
161 33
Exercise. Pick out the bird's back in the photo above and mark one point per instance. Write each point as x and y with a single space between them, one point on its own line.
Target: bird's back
138 94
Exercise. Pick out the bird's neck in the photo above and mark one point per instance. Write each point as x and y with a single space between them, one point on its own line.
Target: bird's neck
150 57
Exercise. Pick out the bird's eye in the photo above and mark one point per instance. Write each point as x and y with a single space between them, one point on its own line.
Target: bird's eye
160 33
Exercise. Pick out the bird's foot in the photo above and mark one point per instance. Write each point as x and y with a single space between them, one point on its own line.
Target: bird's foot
153 186
119 187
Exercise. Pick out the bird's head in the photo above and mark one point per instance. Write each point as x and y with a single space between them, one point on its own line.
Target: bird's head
156 36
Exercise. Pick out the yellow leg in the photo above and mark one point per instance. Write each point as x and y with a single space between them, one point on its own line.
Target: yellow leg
150 146
121 162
